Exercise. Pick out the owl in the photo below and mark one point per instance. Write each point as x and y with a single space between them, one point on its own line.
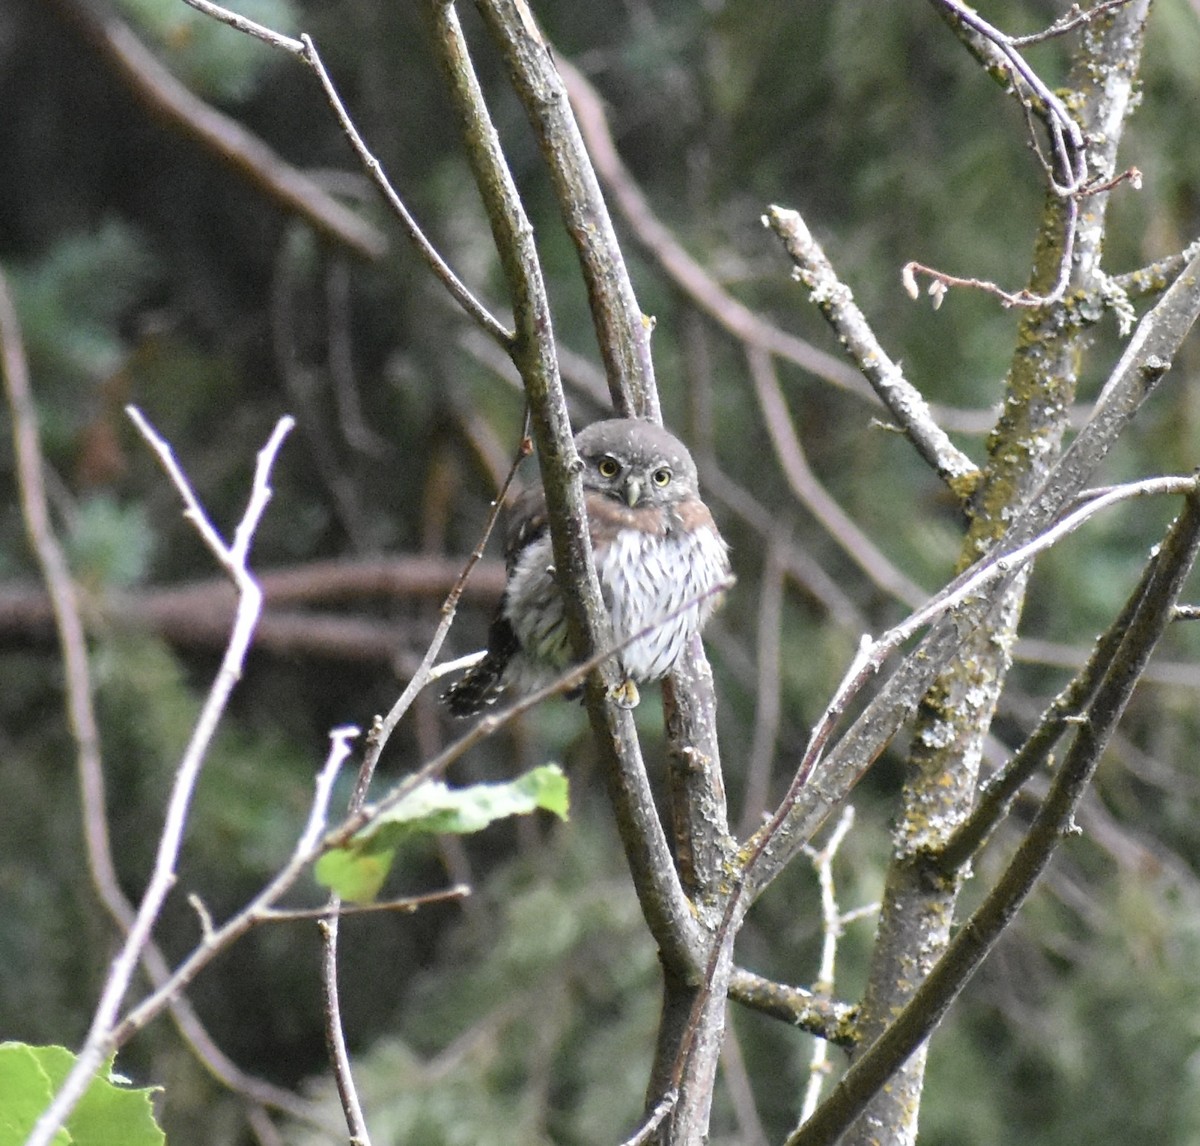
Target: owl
658 557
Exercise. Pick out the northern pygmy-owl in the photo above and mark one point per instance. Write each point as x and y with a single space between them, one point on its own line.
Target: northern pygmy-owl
658 557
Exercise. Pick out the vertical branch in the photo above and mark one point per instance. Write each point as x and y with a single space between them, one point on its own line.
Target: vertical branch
664 903
81 713
833 922
956 711
621 329
335 1035
693 1021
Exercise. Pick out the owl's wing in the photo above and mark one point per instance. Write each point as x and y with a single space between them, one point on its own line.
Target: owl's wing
527 521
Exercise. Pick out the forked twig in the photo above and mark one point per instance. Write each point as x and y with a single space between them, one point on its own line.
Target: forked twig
233 557
1067 169
834 921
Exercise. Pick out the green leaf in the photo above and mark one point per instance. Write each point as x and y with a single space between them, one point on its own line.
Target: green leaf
108 1112
355 876
357 871
27 1092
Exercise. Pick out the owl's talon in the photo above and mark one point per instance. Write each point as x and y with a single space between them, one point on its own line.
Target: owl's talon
625 694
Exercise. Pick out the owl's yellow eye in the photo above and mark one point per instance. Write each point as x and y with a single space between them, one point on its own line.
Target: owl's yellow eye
608 467
661 477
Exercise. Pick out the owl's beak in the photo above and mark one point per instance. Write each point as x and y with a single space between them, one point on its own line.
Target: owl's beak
633 491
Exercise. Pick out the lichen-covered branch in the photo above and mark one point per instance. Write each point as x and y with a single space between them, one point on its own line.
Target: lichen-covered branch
902 399
1155 607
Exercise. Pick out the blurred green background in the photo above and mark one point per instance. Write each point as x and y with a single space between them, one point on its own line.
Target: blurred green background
147 270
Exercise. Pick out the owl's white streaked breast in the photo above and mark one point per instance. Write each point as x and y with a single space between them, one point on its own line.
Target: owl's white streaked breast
647 579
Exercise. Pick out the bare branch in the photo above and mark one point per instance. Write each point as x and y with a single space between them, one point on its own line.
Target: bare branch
1072 173
403 906
384 727
997 795
307 847
621 329
1069 174
100 1039
305 50
335 1036
796 1006
82 720
813 496
1076 17
902 400
768 700
975 938
833 922
665 904
64 603
1146 359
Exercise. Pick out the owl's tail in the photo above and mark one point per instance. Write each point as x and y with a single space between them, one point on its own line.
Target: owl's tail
484 682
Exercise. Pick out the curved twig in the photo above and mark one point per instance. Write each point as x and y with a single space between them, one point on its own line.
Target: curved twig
306 51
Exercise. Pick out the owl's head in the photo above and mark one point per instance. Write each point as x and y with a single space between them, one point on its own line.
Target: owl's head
635 462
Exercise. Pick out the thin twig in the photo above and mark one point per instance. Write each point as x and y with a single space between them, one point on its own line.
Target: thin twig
382 730
812 494
943 280
234 558
335 1035
1074 18
1054 821
403 906
1066 135
662 1108
834 922
768 689
380 733
488 725
306 51
307 847
1067 171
